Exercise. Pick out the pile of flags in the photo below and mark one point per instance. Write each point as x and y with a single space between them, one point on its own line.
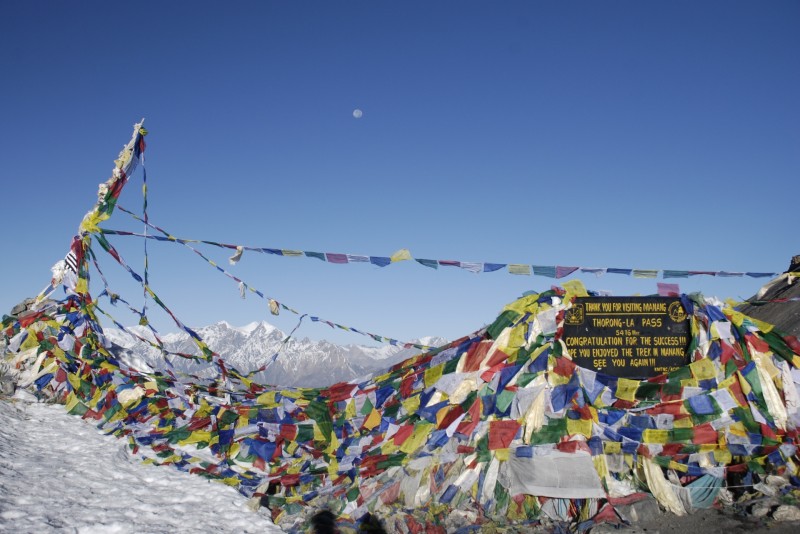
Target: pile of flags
498 426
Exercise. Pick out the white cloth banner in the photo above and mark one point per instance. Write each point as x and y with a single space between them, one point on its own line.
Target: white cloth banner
555 474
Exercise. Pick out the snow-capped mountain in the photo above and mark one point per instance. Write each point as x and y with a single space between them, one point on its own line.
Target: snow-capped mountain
300 362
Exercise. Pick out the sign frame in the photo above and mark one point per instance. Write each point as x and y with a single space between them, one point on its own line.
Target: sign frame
628 337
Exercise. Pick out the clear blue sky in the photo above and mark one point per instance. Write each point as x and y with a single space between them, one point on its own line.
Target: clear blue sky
653 135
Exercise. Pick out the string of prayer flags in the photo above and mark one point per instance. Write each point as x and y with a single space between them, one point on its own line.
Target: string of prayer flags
547 271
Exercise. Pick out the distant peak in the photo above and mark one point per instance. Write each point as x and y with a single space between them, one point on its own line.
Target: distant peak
249 328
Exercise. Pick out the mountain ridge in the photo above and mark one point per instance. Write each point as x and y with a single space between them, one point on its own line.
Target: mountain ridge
300 362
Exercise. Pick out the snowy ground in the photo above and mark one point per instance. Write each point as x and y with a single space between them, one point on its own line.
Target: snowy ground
58 473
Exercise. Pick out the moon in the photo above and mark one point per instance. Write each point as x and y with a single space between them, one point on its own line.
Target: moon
357 113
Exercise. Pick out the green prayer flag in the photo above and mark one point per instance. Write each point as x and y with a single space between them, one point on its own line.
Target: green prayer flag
503 321
318 411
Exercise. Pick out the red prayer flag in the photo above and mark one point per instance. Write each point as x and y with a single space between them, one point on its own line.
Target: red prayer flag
502 433
336 258
668 290
402 434
757 343
475 355
704 434
564 367
474 412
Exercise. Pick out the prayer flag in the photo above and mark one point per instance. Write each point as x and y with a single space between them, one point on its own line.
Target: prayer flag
472 267
561 272
668 290
675 274
336 258
491 267
544 270
518 268
401 255
380 261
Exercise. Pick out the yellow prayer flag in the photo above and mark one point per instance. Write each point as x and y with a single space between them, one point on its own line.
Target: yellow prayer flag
291 393
108 366
318 435
626 389
519 268
763 326
373 420
401 255
62 357
388 447
72 401
731 304
574 288
517 337
612 447
744 384
196 437
98 395
82 287
703 369
723 456
90 222
690 383
411 404
525 304
30 342
600 465
737 318
502 455
433 374
579 426
683 422
652 435
417 438
350 410
681 468
266 399
333 444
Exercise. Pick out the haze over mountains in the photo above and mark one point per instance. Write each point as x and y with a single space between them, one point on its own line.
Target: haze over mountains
301 362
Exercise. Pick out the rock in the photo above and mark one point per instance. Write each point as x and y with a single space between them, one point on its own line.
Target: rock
644 511
7 385
460 518
786 512
761 509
